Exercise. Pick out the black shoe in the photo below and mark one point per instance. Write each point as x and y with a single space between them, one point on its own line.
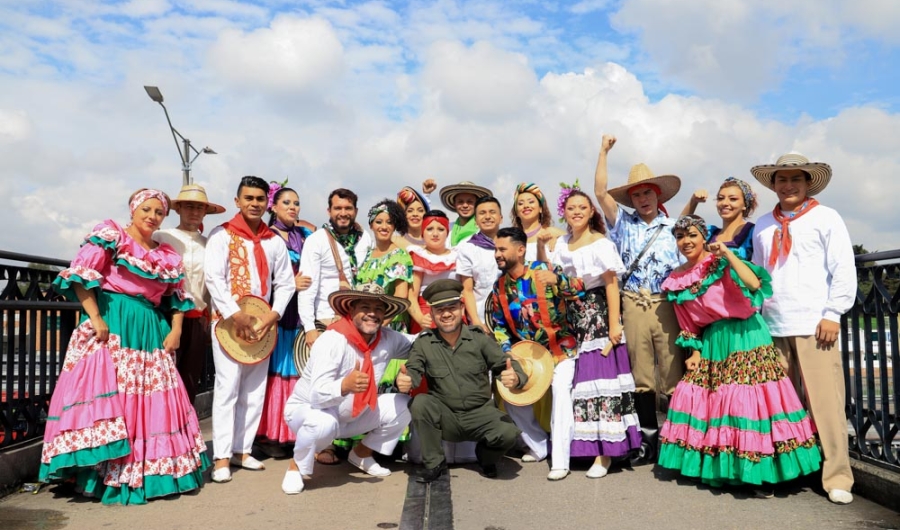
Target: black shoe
432 474
489 470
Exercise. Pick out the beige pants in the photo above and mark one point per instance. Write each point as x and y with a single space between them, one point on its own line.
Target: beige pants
650 333
820 374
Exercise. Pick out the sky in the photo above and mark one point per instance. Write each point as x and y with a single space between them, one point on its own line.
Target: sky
375 95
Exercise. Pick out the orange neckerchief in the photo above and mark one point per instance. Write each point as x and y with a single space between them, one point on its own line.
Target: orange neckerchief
368 397
781 241
238 226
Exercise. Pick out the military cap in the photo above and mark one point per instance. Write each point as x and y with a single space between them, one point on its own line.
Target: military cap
443 292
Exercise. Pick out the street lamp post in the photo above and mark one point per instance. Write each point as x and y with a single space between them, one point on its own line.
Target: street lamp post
186 159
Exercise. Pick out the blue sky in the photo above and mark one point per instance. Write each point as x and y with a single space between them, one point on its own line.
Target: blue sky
376 95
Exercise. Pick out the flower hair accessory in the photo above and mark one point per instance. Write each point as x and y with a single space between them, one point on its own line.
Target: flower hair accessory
565 191
274 187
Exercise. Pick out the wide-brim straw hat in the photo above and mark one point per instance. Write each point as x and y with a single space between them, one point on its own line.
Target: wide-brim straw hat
240 350
449 193
302 349
196 193
819 172
641 174
537 363
342 301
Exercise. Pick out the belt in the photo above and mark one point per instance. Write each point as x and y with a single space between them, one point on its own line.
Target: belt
644 298
197 313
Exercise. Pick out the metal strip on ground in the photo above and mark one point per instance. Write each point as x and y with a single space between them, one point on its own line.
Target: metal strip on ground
427 506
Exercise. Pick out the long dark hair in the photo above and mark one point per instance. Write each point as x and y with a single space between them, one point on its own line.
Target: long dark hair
596 221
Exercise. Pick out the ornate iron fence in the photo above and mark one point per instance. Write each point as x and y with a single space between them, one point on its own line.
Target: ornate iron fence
869 342
36 326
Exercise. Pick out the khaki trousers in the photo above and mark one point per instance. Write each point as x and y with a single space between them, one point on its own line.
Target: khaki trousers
650 334
819 373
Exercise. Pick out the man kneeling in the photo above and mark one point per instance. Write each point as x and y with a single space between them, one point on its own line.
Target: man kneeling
337 395
454 359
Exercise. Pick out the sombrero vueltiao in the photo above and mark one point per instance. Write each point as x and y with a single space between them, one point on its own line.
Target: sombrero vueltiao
537 363
819 172
449 193
240 350
641 174
342 301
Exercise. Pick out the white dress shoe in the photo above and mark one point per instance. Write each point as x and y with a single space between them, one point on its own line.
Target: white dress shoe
840 496
598 470
557 474
221 475
292 483
529 457
247 463
368 465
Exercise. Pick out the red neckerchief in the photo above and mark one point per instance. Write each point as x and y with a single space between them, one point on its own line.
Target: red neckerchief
368 397
781 241
237 225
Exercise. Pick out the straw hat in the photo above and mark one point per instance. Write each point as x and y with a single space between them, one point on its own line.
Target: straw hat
240 350
302 349
819 172
537 363
641 174
196 193
342 301
449 193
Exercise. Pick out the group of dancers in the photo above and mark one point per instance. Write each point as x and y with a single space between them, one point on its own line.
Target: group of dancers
732 328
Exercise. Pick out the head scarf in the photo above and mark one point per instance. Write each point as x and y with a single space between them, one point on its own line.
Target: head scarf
686 221
377 209
407 196
531 188
746 191
443 220
144 195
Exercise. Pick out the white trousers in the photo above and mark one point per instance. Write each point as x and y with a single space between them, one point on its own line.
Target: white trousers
316 428
238 398
562 419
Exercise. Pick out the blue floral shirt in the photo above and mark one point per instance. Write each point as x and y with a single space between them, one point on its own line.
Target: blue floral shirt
630 234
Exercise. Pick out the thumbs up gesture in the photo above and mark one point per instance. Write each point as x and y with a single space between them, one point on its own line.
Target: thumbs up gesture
356 381
404 381
509 378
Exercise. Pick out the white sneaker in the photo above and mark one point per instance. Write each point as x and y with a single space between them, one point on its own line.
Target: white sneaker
368 465
292 483
557 474
221 475
840 496
247 463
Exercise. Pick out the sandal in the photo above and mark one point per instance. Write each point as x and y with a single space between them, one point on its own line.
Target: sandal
327 457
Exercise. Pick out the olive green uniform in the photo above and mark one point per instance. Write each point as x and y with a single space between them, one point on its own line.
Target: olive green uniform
458 406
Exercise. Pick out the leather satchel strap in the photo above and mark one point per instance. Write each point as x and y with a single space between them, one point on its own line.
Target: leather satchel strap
338 263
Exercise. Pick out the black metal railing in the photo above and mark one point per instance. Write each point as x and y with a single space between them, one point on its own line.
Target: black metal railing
869 342
36 326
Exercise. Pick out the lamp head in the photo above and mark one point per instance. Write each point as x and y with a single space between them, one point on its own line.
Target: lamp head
154 93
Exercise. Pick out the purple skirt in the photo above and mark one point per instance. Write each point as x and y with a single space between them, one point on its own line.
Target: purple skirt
605 420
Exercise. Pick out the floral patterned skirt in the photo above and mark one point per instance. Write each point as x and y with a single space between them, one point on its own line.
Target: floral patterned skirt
120 422
737 418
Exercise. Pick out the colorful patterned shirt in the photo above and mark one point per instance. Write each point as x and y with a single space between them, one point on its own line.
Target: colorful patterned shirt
525 312
630 234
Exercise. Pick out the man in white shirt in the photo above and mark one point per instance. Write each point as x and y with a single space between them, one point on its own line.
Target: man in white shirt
476 267
340 236
243 257
192 206
337 395
806 248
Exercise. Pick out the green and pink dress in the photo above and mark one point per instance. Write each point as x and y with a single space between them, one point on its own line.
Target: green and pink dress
120 423
737 418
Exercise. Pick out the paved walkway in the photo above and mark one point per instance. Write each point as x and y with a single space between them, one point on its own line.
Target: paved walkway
340 497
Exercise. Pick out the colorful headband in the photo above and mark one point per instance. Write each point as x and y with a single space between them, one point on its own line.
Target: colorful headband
531 188
377 209
274 188
746 190
407 196
145 195
686 221
565 191
443 220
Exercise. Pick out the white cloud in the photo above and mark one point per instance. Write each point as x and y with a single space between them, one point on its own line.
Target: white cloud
292 54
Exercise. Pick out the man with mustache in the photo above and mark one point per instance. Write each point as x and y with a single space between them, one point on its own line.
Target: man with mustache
342 238
243 257
337 395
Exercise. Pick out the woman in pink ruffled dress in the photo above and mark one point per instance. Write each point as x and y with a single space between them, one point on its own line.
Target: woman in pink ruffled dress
734 418
120 423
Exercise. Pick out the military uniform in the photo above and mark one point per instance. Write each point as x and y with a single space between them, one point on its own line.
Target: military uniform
458 406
